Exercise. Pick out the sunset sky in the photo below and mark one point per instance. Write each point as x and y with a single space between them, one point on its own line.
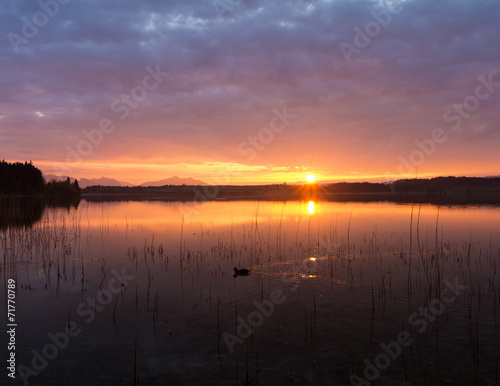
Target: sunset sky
254 92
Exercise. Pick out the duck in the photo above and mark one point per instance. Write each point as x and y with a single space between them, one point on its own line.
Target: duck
240 272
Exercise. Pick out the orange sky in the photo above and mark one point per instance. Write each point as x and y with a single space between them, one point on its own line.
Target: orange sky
264 94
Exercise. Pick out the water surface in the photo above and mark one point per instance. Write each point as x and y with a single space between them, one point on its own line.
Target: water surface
147 291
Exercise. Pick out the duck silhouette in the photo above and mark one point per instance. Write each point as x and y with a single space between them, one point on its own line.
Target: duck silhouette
240 272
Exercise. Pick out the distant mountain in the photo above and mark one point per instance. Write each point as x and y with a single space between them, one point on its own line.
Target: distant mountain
103 181
84 182
174 181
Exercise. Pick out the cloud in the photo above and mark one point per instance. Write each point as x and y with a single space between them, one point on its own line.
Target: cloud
226 76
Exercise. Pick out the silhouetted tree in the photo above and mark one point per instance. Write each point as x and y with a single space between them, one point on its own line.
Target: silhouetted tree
25 179
62 188
18 178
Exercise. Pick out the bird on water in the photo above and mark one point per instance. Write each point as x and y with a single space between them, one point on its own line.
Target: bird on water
240 272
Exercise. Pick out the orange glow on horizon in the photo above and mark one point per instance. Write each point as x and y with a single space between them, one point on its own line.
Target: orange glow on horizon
223 173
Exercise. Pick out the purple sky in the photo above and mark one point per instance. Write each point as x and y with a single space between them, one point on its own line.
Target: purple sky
262 65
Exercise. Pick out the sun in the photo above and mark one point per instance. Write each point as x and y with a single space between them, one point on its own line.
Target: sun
311 178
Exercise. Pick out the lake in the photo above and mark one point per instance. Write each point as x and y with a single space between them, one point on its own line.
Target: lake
339 293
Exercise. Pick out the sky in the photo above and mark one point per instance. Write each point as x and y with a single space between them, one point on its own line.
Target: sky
251 91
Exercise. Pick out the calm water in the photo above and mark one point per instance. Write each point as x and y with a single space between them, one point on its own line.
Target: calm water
111 291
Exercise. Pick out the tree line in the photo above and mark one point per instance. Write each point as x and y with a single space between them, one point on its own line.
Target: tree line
25 179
